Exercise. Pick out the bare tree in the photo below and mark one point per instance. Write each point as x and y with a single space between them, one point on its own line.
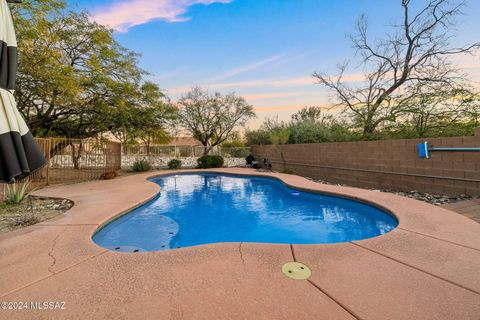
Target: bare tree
417 51
212 118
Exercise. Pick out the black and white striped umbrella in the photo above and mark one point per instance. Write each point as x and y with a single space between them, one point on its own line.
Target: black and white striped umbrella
19 153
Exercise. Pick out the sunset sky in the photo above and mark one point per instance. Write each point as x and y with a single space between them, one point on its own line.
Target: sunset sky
264 50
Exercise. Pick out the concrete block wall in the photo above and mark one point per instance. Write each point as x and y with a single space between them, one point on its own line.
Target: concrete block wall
392 164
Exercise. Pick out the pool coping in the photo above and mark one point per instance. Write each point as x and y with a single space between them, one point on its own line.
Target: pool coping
35 258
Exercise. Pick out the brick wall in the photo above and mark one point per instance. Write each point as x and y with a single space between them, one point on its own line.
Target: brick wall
390 164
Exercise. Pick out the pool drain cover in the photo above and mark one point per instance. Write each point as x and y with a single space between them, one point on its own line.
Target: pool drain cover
296 270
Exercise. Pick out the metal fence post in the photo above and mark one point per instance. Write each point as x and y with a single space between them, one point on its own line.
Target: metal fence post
48 156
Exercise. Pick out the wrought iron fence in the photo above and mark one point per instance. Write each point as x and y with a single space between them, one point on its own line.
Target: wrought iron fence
79 160
73 160
182 151
234 152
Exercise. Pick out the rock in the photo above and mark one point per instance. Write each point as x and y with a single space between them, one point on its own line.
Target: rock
159 162
432 198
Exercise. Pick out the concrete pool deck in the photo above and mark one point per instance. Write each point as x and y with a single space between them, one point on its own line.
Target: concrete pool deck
427 268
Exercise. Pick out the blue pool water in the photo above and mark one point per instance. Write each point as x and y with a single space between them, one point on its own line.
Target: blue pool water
196 209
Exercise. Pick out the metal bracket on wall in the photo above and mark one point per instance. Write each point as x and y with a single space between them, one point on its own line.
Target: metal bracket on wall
424 150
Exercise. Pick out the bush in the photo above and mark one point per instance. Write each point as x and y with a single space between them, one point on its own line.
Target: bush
206 162
16 192
174 164
316 132
258 137
233 144
141 165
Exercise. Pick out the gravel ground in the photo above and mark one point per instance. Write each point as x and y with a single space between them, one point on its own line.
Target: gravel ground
27 213
432 198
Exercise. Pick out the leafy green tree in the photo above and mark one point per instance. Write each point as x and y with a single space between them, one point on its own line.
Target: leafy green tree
143 118
156 114
309 125
312 125
437 111
308 114
212 118
71 71
76 81
270 130
257 137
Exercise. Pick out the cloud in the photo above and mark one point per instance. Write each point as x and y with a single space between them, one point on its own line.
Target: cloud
278 108
273 61
250 67
290 82
290 108
263 83
127 14
273 95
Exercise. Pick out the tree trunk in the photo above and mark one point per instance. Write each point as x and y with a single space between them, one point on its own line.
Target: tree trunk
58 148
282 156
207 149
76 156
368 130
369 126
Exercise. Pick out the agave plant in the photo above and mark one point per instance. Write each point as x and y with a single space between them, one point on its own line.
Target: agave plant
141 165
16 192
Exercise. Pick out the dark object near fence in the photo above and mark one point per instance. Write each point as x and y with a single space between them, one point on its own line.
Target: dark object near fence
174 164
208 161
109 175
251 163
266 164
249 160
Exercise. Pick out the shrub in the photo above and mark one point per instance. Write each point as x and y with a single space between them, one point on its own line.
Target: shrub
317 132
236 143
258 137
141 165
16 192
174 164
207 161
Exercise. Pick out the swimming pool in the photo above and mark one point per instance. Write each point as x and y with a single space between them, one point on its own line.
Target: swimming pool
201 208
